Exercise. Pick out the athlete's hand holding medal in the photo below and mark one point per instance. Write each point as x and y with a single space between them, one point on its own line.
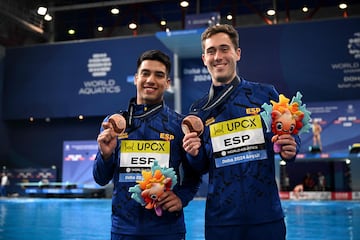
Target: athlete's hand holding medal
107 139
117 123
193 127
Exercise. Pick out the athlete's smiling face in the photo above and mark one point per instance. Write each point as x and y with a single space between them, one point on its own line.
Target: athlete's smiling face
151 82
220 57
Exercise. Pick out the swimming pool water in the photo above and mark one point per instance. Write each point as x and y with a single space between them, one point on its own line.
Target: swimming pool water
328 220
54 219
89 219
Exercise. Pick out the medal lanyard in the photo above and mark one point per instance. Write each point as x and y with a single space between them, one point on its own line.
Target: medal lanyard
214 102
152 109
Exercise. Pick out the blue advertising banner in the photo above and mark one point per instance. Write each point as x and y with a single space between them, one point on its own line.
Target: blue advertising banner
90 77
78 160
339 129
69 79
322 56
195 82
305 57
23 178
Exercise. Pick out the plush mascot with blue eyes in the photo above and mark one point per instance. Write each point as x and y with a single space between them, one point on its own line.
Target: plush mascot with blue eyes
155 182
286 117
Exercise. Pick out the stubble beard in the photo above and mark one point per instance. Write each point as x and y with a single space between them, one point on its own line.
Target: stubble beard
223 79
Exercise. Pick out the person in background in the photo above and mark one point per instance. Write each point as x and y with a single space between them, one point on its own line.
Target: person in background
309 182
321 181
4 184
298 189
286 182
235 149
317 129
149 122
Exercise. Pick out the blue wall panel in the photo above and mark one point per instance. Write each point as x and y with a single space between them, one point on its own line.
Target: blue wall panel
65 80
321 59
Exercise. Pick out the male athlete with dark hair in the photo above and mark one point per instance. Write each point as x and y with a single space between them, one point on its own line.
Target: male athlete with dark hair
235 149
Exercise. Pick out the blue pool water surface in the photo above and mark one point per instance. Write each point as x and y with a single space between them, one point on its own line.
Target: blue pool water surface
89 219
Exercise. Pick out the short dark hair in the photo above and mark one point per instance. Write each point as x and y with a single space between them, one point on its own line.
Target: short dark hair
222 28
156 55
